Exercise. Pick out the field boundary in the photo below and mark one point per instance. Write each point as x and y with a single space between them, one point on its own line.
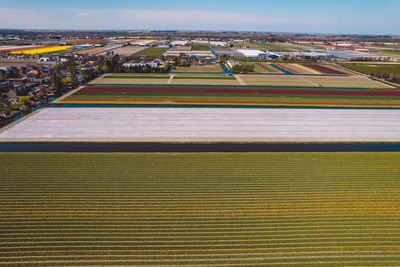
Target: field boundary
211 147
61 98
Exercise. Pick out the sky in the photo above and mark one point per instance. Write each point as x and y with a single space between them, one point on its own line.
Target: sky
300 16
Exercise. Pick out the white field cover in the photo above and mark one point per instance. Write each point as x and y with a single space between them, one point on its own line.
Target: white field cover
206 124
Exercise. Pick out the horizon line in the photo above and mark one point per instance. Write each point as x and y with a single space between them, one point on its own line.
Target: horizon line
177 30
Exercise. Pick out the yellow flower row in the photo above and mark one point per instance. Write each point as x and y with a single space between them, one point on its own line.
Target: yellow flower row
43 50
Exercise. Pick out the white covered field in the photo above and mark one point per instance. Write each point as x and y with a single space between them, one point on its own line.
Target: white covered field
205 124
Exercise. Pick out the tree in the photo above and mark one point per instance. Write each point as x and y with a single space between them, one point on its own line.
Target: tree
57 84
25 100
166 67
65 82
243 68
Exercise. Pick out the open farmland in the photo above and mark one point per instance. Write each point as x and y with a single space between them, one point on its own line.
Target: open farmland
204 79
152 51
199 69
206 124
250 80
229 95
200 47
313 81
308 69
126 50
262 67
348 81
43 50
133 78
90 51
214 209
373 68
273 46
165 78
388 52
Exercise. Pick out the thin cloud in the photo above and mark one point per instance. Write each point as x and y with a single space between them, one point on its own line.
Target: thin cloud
135 19
145 19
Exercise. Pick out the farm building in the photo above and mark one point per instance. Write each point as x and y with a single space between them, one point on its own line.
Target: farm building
141 63
45 60
252 53
179 43
205 56
227 52
217 43
305 55
142 42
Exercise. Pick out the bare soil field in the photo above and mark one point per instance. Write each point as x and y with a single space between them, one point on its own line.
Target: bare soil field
274 80
93 50
204 82
131 81
127 50
180 48
200 69
350 81
314 81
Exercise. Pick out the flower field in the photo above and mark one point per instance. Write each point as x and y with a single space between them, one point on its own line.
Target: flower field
321 81
240 90
308 69
42 50
214 209
298 69
152 52
262 67
233 95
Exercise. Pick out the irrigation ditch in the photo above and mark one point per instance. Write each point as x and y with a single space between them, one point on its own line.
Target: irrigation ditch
122 147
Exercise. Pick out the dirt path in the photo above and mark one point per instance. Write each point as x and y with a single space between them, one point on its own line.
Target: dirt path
171 78
310 82
58 100
239 79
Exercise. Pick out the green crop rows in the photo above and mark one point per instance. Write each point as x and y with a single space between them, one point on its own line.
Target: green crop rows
81 95
392 69
152 51
214 209
278 47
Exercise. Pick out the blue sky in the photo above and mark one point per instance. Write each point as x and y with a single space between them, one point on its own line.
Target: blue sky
312 16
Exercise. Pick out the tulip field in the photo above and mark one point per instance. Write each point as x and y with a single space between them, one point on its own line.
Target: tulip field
298 69
211 209
234 95
43 50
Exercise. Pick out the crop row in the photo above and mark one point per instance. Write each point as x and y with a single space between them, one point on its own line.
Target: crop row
200 209
169 89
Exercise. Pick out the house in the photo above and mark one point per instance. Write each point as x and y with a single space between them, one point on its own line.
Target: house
18 81
33 74
25 89
45 60
5 88
142 63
